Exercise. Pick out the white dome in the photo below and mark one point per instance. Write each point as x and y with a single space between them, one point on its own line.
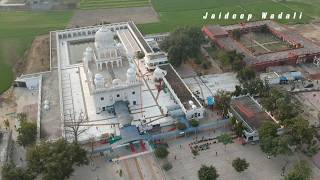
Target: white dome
46 107
159 73
131 75
116 82
89 49
131 71
86 57
104 38
99 81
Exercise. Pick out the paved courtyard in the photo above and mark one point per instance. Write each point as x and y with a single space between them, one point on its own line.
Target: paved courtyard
261 168
142 167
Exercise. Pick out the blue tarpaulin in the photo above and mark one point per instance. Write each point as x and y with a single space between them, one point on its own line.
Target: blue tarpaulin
210 100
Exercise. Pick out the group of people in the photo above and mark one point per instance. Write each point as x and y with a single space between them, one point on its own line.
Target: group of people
203 144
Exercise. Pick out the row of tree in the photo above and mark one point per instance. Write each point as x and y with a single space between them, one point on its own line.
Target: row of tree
296 130
211 173
49 160
300 171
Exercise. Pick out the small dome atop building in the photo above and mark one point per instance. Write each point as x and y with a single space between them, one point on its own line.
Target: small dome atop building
89 49
131 75
131 71
159 73
99 81
116 82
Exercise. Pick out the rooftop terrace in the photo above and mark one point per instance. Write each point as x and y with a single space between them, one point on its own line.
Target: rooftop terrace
179 87
249 111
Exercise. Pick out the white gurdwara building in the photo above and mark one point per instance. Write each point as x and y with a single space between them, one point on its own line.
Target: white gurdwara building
110 72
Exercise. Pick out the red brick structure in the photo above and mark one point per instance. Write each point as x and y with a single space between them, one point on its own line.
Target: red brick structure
301 49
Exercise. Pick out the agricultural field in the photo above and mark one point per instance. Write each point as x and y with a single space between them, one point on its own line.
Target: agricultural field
310 7
17 31
101 4
174 13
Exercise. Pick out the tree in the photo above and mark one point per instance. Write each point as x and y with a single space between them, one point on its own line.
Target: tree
312 149
238 64
161 152
233 121
255 87
223 57
116 38
6 123
140 55
238 129
270 142
240 164
237 61
300 171
207 173
181 126
285 109
167 166
236 34
222 101
269 101
27 133
225 139
267 132
238 91
298 128
73 125
246 74
182 44
55 160
11 172
194 123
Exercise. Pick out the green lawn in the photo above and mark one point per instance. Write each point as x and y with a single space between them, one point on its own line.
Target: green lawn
101 4
175 13
17 30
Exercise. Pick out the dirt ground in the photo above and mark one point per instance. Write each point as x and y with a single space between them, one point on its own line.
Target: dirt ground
311 31
91 17
310 104
36 58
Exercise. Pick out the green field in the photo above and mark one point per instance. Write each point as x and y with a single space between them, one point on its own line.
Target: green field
100 4
174 13
17 30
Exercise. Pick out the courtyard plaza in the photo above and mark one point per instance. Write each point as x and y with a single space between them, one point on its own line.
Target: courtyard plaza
141 167
186 166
